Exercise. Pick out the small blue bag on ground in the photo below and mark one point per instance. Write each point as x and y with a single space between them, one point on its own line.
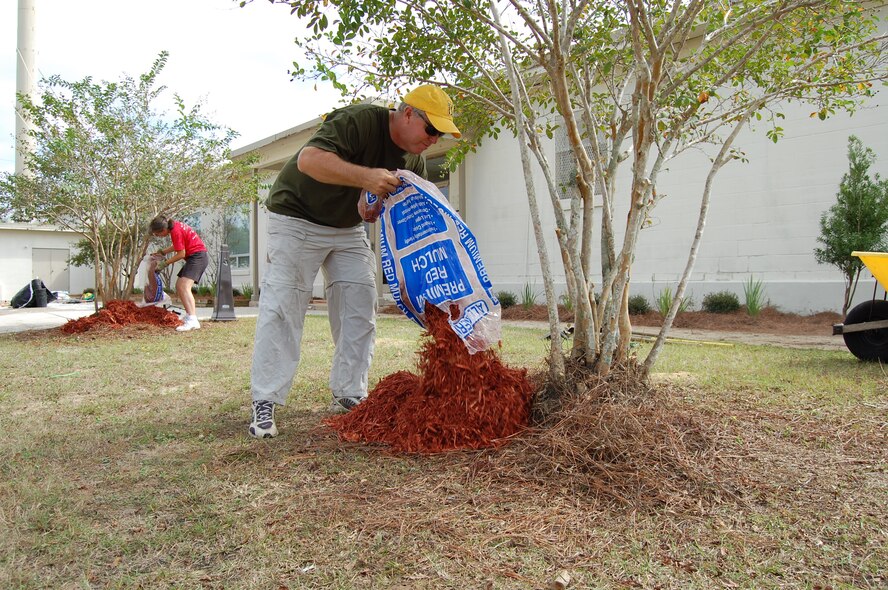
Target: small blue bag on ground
429 255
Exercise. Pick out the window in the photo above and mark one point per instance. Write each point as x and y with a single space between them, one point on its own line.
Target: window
439 174
237 236
566 167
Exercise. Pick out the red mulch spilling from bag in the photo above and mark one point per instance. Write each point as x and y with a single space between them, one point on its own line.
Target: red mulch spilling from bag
458 400
118 313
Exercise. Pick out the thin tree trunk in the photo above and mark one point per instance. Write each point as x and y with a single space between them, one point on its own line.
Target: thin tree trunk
695 245
556 358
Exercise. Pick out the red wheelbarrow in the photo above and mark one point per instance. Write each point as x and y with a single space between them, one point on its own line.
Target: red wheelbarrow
866 326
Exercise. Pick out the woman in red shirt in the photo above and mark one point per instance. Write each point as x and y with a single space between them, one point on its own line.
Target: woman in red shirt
187 246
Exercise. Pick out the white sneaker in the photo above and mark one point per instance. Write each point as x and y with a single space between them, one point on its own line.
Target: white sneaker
262 425
341 405
190 324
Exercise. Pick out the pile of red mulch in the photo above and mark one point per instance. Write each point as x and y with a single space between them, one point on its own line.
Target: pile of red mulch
118 313
458 400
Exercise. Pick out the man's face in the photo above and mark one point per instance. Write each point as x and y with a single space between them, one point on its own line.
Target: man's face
161 234
416 135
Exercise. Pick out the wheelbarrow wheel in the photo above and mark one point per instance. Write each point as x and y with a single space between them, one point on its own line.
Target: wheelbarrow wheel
868 345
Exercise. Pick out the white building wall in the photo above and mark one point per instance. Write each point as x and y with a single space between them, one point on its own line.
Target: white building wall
499 216
17 242
763 220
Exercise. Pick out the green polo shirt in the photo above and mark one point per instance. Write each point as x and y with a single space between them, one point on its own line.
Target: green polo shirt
358 134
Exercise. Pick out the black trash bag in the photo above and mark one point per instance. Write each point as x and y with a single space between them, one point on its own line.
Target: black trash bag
34 294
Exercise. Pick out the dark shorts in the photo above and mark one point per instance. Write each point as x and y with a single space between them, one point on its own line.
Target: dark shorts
195 265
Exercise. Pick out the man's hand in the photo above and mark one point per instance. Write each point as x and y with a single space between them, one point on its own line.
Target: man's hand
380 181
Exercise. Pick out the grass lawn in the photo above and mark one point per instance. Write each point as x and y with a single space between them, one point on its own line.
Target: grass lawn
124 463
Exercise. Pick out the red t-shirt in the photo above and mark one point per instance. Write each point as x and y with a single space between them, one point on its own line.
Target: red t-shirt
185 238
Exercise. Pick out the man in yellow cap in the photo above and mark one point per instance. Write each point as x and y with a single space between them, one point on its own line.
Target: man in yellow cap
314 224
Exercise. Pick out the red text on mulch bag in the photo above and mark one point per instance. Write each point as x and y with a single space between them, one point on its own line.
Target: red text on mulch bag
429 255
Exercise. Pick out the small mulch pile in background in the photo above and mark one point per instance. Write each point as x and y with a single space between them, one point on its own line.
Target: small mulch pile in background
118 313
457 401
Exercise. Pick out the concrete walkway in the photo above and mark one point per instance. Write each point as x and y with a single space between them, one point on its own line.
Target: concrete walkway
57 313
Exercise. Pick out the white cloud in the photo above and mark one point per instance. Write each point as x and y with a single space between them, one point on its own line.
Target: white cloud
233 59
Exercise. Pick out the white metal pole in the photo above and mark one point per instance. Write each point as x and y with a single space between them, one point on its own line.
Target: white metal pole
25 71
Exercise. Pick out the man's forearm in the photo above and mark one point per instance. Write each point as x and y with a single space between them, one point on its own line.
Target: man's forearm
329 168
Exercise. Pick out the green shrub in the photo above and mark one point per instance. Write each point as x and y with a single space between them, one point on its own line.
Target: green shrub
638 304
754 294
247 290
137 290
566 301
721 302
507 299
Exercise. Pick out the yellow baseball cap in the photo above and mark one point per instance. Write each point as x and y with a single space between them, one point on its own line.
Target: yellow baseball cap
436 105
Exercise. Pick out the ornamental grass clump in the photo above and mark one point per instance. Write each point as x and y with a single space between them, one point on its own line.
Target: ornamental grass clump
528 297
754 294
665 299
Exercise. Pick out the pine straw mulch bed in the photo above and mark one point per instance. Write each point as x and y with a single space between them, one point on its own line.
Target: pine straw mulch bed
617 441
769 321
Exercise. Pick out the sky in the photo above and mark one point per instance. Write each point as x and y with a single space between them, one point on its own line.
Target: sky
233 59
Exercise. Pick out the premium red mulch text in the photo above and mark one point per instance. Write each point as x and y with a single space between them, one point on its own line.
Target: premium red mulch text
457 401
118 313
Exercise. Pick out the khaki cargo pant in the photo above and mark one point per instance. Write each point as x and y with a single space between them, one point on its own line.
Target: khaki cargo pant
296 250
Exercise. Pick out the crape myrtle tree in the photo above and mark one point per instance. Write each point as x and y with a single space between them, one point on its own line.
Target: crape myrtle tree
102 160
858 221
633 84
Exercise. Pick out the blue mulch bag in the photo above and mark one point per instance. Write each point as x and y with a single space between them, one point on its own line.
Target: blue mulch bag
153 293
430 256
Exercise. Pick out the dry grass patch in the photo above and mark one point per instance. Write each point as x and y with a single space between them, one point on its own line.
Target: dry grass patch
125 464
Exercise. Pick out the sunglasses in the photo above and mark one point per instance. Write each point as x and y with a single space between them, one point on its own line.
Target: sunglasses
430 129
